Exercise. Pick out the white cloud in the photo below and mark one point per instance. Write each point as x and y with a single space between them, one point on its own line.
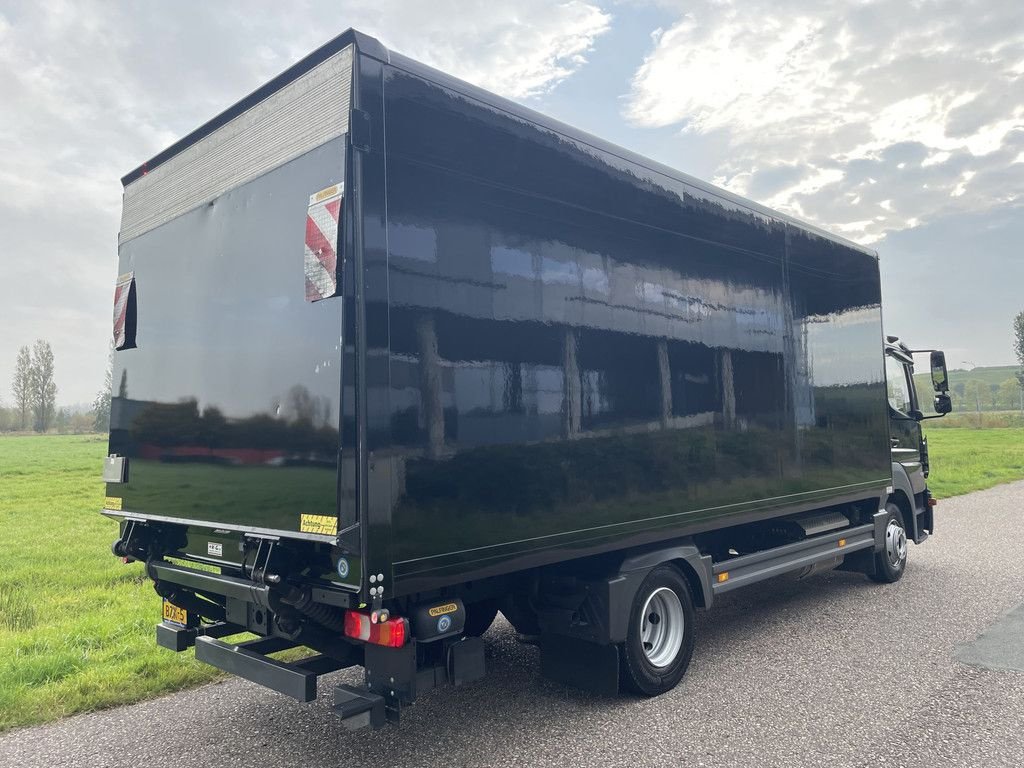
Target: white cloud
516 49
867 117
90 89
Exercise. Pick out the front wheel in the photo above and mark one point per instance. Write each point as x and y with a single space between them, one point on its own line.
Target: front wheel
891 562
659 645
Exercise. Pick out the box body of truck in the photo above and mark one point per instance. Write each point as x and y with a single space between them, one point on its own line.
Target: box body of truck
420 338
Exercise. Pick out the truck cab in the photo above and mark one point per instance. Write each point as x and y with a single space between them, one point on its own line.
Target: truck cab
908 444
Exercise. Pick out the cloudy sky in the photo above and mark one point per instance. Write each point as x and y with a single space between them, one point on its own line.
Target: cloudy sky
897 123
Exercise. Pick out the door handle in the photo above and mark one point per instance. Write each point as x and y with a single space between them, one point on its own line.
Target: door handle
894 442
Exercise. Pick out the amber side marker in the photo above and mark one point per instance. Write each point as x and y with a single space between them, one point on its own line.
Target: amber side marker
842 542
723 577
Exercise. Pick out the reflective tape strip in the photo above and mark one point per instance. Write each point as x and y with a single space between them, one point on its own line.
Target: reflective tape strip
121 292
321 248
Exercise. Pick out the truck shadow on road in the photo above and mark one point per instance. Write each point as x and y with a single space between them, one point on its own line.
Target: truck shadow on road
466 725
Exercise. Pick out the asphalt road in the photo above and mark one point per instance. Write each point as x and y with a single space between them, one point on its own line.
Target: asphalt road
834 670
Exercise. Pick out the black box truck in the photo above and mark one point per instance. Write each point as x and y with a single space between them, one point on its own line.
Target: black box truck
395 354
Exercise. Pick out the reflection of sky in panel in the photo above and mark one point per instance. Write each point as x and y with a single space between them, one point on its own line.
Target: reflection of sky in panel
829 339
511 261
412 242
709 307
589 273
555 271
595 280
755 310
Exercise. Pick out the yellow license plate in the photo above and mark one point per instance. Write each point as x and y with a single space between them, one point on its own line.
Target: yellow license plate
174 614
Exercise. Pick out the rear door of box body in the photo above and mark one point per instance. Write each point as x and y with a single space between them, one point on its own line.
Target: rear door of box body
228 401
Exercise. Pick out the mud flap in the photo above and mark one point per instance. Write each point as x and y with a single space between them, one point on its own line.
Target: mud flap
580 663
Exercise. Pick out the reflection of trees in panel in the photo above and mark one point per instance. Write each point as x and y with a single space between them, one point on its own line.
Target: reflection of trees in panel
571 408
299 404
183 425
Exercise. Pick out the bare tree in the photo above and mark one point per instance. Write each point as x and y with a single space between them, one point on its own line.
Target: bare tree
22 386
43 387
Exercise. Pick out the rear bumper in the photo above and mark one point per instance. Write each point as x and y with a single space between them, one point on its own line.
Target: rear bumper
201 582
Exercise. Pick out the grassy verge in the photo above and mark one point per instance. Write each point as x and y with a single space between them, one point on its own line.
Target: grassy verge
76 626
965 460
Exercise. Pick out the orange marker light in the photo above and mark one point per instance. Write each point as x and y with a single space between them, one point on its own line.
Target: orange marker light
724 576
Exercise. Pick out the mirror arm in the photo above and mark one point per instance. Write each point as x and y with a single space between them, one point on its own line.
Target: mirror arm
900 416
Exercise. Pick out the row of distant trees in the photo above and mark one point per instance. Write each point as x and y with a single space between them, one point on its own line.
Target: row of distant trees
975 394
34 405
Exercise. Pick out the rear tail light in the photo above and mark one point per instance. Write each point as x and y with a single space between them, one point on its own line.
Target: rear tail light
391 633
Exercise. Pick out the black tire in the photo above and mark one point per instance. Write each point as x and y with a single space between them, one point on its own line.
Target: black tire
479 617
891 562
520 614
643 672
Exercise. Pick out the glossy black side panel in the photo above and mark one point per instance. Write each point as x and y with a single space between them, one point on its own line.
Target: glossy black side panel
574 351
229 408
378 493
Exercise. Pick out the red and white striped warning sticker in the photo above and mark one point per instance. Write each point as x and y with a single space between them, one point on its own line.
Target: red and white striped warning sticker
321 260
121 292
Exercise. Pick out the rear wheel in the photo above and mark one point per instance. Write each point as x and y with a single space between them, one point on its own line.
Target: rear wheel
517 608
891 562
659 645
479 617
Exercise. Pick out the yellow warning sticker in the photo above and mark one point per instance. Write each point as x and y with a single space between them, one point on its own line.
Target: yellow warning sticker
324 194
323 524
112 502
441 610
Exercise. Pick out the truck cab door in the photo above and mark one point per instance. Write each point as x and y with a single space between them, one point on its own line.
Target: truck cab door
904 429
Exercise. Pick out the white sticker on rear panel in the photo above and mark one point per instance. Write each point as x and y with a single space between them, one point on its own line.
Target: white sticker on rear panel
322 227
214 548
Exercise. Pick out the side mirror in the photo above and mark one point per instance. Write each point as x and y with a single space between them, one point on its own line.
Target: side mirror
943 404
940 379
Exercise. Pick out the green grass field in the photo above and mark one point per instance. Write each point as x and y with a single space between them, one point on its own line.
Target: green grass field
76 625
965 460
